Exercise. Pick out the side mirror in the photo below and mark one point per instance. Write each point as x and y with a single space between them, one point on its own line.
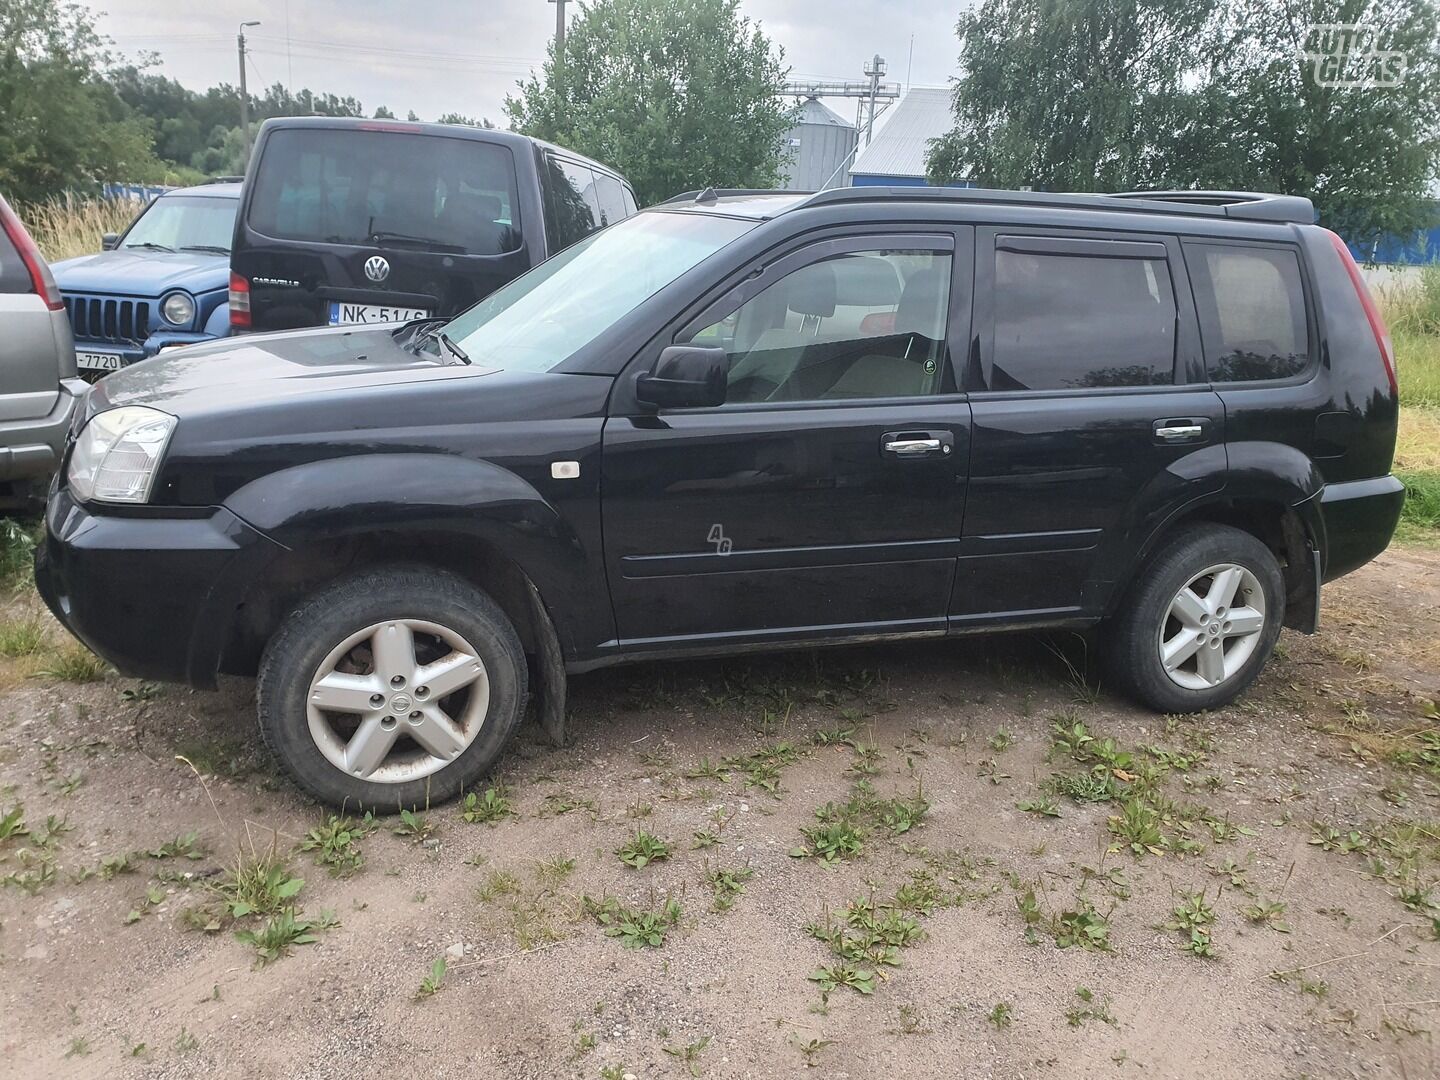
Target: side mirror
686 376
108 241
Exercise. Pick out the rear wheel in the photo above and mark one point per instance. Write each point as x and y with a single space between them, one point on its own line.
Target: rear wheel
1201 622
391 689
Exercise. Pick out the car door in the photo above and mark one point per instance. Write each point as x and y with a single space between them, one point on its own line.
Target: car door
825 497
1093 419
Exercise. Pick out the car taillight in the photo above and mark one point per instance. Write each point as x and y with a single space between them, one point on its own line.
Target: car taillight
40 279
239 301
1372 313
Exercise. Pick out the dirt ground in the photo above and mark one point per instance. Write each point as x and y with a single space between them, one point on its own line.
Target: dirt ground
1298 832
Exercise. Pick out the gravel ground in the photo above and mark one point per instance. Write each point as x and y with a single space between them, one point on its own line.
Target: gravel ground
103 974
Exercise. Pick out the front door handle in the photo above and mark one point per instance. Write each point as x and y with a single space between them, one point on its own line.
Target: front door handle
917 444
913 446
1181 429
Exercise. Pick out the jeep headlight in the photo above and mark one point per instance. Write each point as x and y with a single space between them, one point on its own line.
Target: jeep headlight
178 309
117 454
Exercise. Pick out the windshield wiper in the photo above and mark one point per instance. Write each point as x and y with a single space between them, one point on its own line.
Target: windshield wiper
215 248
148 246
451 347
382 236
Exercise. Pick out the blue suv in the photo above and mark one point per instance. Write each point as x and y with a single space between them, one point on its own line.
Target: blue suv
163 282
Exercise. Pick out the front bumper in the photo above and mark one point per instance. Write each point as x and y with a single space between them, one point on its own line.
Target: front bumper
155 596
31 448
1359 518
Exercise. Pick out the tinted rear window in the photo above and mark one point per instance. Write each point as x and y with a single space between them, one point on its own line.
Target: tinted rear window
354 187
1252 311
1067 322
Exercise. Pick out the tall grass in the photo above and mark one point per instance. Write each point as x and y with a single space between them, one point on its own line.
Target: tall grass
67 226
1412 312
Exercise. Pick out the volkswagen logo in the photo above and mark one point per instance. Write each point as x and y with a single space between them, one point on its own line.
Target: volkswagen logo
377 268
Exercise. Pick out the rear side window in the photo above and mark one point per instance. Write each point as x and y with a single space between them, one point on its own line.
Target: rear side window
14 277
1065 322
611 195
1252 311
574 202
360 187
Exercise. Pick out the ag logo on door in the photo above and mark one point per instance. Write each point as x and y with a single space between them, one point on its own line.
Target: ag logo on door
377 269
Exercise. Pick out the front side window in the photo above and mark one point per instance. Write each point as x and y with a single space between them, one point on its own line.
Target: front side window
362 187
1252 311
185 223
868 324
544 317
1065 322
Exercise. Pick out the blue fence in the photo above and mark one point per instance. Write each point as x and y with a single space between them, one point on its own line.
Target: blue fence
134 192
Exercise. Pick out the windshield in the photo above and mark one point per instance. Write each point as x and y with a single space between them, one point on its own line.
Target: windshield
545 317
364 187
185 222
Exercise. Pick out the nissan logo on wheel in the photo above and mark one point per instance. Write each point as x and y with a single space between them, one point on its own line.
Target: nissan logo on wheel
377 268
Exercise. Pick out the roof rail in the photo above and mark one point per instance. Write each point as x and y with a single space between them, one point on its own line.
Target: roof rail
723 193
222 180
1247 205
1250 205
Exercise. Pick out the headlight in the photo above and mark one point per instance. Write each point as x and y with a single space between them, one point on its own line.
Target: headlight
118 454
178 309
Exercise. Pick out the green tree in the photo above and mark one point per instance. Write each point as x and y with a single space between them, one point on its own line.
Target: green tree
464 121
1109 95
676 94
63 125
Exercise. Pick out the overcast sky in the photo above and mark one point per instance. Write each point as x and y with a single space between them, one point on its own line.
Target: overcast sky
464 55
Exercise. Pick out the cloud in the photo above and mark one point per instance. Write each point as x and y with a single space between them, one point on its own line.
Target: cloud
466 55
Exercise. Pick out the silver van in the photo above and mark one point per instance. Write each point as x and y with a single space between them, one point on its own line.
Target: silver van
39 385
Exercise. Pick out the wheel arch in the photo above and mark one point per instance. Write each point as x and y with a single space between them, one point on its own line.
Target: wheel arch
1292 530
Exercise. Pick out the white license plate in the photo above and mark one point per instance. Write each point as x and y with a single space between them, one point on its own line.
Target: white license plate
342 314
99 361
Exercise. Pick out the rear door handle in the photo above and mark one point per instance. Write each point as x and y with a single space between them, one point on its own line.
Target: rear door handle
1181 429
913 444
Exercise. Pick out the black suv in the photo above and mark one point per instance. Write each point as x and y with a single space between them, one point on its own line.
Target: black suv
740 421
348 221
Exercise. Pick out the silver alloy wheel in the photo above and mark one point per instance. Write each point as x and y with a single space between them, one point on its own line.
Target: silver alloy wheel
1212 627
398 701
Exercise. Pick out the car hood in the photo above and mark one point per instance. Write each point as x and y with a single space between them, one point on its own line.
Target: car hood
142 273
236 373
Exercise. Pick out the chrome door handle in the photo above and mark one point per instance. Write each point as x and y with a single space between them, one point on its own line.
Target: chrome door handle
1179 431
913 446
1179 428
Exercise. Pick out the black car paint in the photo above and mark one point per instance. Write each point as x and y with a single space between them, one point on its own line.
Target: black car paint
1038 517
292 282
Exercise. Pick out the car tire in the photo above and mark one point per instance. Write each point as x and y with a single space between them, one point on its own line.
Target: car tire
418 747
1176 645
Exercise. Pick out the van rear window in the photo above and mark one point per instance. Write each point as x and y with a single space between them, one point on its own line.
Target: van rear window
363 187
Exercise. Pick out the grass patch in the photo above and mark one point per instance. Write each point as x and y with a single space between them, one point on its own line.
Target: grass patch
1420 516
72 663
17 547
637 928
23 637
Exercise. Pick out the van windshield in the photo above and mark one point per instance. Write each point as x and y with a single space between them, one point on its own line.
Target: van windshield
358 187
543 318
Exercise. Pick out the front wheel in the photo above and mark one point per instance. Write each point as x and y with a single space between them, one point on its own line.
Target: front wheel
1201 621
391 689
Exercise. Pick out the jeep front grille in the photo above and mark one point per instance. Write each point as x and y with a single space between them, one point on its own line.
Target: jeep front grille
108 319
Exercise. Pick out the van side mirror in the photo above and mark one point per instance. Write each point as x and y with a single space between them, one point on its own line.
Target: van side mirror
108 241
686 376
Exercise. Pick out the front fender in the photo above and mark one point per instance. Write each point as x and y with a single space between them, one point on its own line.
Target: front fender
441 495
